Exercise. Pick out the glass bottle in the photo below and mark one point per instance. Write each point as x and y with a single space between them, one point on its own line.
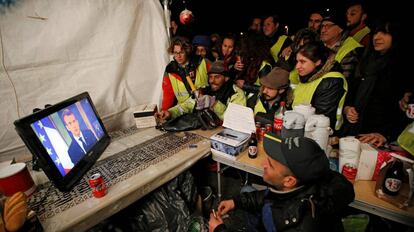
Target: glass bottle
252 150
278 118
393 178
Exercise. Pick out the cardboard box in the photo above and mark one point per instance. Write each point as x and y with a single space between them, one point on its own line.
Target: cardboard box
229 142
371 160
239 124
144 115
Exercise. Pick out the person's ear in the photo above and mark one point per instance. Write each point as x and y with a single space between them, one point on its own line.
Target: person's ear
317 63
280 91
289 181
364 17
226 79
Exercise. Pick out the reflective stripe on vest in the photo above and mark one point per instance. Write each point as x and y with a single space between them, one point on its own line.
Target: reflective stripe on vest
303 94
406 139
277 47
294 78
348 45
264 63
178 86
259 107
361 34
201 80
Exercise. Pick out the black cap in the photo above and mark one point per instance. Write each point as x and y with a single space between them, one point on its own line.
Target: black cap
303 156
336 18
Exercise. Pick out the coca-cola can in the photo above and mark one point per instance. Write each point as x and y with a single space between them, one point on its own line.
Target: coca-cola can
97 184
349 171
261 134
269 127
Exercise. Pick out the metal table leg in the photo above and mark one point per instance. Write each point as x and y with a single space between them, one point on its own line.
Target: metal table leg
218 181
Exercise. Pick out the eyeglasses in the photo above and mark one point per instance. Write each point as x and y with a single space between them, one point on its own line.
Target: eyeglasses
178 53
328 25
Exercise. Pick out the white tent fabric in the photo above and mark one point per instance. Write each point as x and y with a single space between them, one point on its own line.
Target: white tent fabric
53 50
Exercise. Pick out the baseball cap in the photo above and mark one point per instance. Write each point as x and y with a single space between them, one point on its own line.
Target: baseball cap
276 79
217 67
336 18
303 156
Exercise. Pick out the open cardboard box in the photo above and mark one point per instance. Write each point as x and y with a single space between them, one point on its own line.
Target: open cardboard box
239 124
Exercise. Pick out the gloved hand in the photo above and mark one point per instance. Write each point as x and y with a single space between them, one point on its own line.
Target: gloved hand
205 101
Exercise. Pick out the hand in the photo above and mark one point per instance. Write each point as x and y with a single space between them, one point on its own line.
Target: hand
240 83
404 101
375 139
214 222
286 52
351 114
224 207
239 66
163 115
205 101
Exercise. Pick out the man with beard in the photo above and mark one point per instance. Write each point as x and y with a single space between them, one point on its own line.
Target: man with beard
356 16
274 89
221 91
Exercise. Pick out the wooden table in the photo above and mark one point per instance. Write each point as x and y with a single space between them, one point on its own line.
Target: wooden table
365 198
82 216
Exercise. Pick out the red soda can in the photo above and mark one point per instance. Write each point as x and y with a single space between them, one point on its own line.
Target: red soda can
349 171
98 186
269 127
262 133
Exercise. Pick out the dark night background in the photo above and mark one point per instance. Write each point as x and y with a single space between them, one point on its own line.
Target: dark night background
223 16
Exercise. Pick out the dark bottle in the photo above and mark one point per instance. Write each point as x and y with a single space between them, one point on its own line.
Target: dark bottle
393 178
252 151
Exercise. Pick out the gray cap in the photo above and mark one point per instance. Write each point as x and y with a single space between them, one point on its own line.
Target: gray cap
276 79
218 68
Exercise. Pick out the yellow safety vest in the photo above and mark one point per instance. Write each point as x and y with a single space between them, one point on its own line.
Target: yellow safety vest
201 80
237 98
303 94
294 78
406 139
259 107
264 63
348 45
275 49
361 34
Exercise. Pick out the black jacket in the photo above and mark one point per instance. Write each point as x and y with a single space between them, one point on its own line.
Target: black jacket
329 92
378 86
316 207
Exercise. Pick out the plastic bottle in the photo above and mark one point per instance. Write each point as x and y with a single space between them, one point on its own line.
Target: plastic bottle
393 178
252 150
278 119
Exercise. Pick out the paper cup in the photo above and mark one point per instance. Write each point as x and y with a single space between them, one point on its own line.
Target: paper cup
16 178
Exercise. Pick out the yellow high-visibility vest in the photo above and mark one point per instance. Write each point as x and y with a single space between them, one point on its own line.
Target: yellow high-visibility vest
303 94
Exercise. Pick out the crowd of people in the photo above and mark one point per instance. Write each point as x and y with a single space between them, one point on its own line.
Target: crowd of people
349 71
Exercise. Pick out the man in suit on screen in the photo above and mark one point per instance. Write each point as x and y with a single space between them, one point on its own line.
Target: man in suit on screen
82 140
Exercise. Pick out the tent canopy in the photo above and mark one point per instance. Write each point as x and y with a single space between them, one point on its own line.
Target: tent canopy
53 50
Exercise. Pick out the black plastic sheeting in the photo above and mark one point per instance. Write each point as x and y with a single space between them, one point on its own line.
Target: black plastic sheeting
168 208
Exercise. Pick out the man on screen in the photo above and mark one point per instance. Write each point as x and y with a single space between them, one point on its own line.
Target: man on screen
82 140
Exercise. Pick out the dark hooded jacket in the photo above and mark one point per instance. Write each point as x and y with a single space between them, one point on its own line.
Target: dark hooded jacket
314 207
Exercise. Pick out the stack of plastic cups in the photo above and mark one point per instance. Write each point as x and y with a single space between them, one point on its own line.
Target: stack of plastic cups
349 152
